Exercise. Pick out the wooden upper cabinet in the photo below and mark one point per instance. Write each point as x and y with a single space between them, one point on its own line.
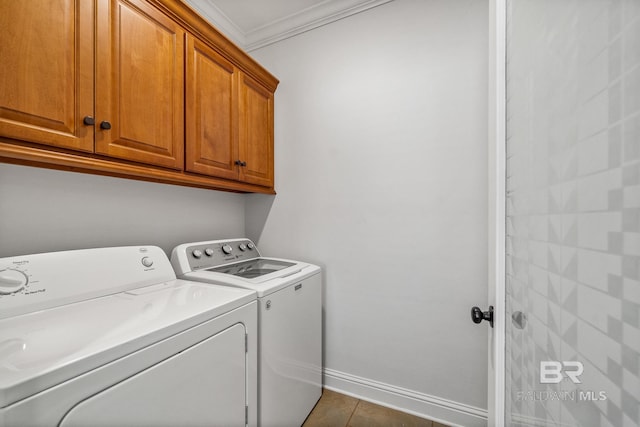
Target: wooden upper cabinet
145 89
255 132
139 84
229 119
46 72
210 120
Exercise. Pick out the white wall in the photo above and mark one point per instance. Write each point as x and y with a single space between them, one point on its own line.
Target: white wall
381 151
46 210
381 178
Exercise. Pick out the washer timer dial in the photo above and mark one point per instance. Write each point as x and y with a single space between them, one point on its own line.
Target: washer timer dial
197 253
12 281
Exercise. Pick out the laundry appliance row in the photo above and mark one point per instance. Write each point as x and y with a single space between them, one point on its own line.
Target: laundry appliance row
218 336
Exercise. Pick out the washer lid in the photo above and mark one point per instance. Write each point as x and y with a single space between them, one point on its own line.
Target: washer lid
41 349
253 268
264 283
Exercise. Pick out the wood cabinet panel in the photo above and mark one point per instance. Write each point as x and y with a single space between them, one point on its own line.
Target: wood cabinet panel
139 84
210 120
172 100
255 132
73 162
46 72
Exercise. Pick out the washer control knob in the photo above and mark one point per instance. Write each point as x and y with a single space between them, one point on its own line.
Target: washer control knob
197 253
227 249
146 261
208 252
12 281
251 246
242 247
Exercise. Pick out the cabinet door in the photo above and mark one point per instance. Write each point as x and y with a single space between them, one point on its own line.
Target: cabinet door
255 132
46 72
139 84
211 145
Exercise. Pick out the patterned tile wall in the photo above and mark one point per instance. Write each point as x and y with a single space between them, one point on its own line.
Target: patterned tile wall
573 210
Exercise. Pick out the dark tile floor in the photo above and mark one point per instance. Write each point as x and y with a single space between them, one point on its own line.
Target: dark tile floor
338 410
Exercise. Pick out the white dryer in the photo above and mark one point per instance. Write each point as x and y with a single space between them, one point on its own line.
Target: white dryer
109 337
289 320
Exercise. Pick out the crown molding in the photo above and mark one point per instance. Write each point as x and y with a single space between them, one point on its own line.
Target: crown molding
307 19
208 10
313 17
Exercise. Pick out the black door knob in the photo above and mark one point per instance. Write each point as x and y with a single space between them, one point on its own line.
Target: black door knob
478 315
105 125
89 121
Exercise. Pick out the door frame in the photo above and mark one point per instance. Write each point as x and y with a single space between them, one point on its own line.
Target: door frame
497 211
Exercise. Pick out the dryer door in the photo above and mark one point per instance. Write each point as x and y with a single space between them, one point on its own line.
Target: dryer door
203 385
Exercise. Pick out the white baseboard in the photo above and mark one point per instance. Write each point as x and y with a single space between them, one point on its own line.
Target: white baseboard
420 404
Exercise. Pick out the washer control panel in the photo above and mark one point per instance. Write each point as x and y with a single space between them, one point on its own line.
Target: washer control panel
219 252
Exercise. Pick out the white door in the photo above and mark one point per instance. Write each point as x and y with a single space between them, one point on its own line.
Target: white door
566 258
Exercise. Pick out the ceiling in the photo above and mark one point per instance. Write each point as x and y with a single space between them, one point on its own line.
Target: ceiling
256 23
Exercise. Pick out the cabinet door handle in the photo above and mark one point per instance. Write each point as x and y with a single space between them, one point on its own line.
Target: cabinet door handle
105 125
89 121
243 163
240 163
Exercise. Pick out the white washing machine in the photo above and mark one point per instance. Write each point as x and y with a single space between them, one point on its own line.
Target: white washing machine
289 321
109 337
